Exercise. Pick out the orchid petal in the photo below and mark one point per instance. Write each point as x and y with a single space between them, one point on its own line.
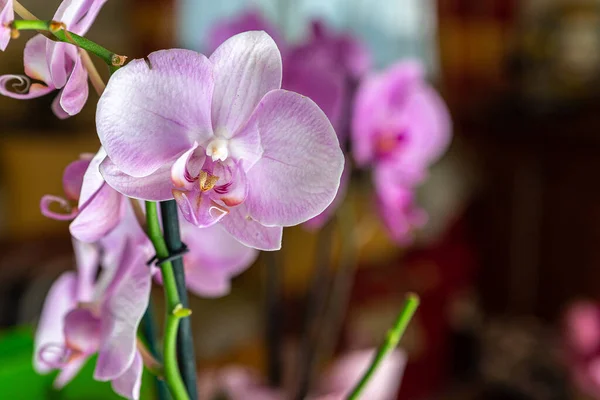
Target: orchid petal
152 110
36 65
7 15
246 66
214 258
198 208
320 220
129 383
70 370
87 258
299 173
57 108
99 215
80 17
73 178
92 179
154 187
235 191
126 300
59 62
75 93
187 167
61 299
82 331
47 200
249 232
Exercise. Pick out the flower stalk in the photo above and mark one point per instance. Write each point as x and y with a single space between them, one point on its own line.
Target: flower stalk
391 342
174 315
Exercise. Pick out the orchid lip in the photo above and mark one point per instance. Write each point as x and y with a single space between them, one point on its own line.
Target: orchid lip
207 181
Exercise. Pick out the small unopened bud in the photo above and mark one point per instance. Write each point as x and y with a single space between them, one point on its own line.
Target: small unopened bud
118 60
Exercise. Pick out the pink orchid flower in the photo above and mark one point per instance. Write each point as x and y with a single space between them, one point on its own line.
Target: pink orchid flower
239 383
7 15
57 65
82 317
400 126
220 136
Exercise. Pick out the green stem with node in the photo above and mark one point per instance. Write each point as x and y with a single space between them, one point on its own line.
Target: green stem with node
175 312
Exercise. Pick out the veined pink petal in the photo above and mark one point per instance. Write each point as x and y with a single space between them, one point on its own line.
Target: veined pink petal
57 108
232 193
154 109
155 187
47 200
61 299
58 61
75 93
299 173
198 208
320 220
7 15
73 178
246 67
99 215
79 15
214 258
129 383
124 304
87 258
181 176
92 179
36 65
249 232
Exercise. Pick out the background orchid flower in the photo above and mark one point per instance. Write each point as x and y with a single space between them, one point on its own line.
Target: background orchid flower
7 15
219 136
57 65
82 317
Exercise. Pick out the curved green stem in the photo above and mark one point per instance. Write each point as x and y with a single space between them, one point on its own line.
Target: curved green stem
392 339
174 310
57 29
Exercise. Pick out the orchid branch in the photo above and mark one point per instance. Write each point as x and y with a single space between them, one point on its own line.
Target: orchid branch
174 309
59 31
392 339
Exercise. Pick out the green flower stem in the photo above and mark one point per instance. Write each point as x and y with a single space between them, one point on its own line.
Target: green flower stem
174 309
57 29
392 339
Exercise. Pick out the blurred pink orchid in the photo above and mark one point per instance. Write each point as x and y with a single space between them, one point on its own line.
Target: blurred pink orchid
238 383
219 136
57 65
7 15
400 126
82 317
582 342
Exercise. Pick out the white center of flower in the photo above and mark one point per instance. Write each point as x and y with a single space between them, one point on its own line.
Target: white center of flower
217 149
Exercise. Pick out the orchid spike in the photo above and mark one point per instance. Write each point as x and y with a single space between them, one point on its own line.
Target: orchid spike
57 65
219 136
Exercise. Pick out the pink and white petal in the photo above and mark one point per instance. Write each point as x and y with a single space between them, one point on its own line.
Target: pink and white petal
73 178
155 187
87 258
75 93
86 16
99 215
59 62
57 108
198 208
61 299
249 232
246 66
70 370
245 146
299 173
124 304
92 179
129 383
45 205
346 371
235 192
187 167
82 331
214 258
320 220
153 110
7 15
34 59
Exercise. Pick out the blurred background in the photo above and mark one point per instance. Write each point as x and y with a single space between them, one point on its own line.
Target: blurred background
514 232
